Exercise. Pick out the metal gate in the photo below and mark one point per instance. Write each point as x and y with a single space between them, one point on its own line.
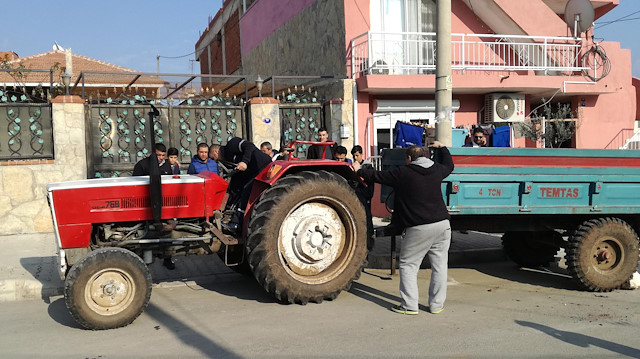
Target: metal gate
119 132
301 116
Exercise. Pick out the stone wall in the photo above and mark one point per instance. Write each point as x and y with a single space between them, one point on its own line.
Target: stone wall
265 121
341 114
23 203
306 45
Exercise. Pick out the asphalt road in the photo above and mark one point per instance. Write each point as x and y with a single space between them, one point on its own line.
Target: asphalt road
493 310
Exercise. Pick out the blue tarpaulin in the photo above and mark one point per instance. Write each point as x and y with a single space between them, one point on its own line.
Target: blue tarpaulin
407 135
502 136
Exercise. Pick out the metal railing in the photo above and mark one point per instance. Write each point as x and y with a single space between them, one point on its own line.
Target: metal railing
633 143
619 139
376 162
415 53
25 114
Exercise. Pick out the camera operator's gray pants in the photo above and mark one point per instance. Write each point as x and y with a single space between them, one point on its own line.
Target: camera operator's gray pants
431 239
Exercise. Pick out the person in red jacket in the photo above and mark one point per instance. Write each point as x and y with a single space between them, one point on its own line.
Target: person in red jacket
420 211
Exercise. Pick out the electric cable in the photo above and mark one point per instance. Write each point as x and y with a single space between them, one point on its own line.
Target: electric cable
616 20
590 60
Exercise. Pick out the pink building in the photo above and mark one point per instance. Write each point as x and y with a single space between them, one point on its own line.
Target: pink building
508 58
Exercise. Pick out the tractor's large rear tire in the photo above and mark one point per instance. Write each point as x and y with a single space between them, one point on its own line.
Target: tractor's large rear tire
530 249
603 254
307 238
108 288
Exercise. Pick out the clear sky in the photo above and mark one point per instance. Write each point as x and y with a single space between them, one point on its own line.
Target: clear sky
625 31
132 33
125 33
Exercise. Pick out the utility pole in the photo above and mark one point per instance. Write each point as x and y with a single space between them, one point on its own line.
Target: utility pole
443 72
158 60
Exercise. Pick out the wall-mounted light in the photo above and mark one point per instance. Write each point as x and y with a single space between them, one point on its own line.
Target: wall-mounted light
66 80
259 83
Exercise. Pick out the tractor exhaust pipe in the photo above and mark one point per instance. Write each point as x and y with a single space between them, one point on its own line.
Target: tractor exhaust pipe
155 185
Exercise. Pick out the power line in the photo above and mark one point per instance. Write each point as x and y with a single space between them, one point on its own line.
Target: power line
176 57
633 18
601 25
181 56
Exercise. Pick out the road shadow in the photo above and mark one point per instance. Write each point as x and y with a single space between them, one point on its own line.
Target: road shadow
44 270
376 296
58 311
582 340
383 277
181 328
208 272
548 277
190 336
239 286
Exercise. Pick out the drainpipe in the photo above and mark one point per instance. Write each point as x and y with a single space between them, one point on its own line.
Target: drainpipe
354 94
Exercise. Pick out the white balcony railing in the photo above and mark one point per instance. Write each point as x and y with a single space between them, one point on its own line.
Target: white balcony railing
632 143
415 53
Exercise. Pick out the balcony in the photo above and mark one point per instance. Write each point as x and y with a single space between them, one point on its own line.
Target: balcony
409 53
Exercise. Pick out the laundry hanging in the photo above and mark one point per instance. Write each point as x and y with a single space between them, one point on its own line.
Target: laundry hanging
407 135
502 136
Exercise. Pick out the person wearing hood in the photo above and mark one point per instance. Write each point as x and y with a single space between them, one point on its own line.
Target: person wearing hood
420 211
201 161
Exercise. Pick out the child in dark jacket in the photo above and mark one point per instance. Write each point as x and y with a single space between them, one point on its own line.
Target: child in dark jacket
172 153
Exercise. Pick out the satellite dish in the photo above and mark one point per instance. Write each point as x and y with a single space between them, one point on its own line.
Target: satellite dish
579 15
57 47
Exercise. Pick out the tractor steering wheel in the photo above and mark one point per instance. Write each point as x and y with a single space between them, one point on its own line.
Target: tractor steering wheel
227 169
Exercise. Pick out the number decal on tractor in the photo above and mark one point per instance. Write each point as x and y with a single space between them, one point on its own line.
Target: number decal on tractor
105 204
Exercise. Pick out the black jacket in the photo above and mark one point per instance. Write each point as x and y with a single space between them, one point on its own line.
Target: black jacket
315 152
364 193
238 150
142 167
418 194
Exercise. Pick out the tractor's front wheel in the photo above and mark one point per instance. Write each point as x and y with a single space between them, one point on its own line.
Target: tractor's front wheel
108 288
307 237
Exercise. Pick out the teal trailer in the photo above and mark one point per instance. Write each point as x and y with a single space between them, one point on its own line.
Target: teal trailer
586 201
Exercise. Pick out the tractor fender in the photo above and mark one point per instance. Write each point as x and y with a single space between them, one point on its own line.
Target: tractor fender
278 169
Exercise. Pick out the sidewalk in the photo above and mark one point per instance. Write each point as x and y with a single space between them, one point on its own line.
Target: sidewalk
28 263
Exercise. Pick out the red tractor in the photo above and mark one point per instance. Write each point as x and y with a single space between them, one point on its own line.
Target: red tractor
304 235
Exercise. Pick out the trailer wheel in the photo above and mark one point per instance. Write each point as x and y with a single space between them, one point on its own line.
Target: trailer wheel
108 288
603 254
307 238
530 249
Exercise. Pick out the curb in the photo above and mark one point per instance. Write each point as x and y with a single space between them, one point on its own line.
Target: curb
30 289
27 289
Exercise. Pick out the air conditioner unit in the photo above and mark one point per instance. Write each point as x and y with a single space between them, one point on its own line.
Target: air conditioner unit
504 107
379 68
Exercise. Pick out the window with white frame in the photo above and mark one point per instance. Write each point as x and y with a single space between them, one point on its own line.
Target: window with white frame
399 41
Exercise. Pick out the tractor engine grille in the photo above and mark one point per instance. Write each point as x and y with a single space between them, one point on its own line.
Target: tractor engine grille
136 203
143 202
